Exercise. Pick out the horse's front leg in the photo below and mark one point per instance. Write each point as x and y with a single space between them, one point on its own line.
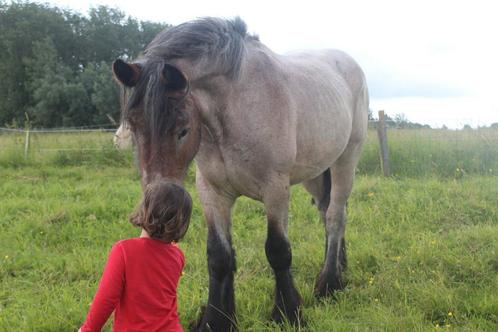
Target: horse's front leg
279 254
219 314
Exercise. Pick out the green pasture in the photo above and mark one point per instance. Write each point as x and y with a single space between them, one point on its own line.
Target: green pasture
413 152
422 245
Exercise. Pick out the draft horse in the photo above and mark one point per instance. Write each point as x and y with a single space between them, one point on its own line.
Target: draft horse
256 123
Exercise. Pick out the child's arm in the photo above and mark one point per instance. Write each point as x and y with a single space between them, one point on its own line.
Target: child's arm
109 291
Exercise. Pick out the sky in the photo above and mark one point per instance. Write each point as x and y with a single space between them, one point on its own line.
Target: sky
435 61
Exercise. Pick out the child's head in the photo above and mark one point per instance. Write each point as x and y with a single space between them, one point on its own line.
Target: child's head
164 212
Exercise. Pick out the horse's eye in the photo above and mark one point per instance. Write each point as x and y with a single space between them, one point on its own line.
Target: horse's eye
183 133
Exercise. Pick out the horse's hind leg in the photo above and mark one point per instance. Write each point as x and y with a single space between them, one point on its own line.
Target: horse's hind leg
330 278
278 251
219 314
320 189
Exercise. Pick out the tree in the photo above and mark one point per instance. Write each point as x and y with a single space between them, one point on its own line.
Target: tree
21 25
103 91
401 121
55 64
58 98
370 115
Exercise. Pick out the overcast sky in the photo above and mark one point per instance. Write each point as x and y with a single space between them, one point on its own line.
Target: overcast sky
435 61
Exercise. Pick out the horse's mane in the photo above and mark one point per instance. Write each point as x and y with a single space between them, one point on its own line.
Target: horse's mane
220 41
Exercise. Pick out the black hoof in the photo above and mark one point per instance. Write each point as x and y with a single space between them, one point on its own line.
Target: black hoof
327 284
293 316
195 326
288 311
207 322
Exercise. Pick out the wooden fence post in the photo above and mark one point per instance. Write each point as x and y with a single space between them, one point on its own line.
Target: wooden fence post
26 145
384 150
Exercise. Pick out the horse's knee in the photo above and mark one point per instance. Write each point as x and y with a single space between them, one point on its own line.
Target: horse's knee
221 257
278 250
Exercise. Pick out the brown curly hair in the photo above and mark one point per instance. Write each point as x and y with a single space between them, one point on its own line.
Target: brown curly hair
164 212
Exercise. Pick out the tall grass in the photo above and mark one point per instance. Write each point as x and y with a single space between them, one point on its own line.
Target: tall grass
413 152
62 149
434 152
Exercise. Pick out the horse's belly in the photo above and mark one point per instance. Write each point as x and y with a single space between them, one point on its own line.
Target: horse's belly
319 145
312 167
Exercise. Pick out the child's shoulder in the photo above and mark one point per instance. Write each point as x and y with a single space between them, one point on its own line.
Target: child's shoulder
125 243
145 241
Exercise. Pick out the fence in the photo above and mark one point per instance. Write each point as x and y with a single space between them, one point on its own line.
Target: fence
388 150
60 146
27 133
426 152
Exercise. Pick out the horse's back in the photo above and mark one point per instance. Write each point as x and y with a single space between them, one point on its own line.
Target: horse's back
331 105
328 62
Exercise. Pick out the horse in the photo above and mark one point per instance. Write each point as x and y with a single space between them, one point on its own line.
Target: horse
123 137
256 123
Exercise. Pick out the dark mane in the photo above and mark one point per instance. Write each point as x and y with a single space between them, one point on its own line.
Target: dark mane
221 42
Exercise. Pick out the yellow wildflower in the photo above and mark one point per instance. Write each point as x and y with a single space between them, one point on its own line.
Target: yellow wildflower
370 194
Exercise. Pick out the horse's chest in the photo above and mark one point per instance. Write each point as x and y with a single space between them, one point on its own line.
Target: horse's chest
234 169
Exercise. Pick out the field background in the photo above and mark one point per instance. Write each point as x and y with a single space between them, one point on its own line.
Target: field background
422 245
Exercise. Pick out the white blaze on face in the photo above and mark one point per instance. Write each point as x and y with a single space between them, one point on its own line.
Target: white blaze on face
123 138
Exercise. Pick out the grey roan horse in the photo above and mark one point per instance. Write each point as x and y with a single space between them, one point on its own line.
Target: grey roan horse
256 123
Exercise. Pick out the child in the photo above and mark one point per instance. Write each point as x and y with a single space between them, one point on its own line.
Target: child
141 275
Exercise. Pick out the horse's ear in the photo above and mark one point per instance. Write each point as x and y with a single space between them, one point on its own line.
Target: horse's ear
126 73
176 82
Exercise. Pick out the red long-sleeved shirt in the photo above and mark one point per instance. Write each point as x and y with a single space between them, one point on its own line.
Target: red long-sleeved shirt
139 283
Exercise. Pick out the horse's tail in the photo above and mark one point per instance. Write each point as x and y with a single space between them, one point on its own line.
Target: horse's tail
361 109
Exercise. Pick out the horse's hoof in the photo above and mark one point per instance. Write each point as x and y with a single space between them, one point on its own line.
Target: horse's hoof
213 324
294 318
196 325
327 284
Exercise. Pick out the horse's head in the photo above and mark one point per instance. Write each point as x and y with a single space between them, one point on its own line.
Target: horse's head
123 138
162 116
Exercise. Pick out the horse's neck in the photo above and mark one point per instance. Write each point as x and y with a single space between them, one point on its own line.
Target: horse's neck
222 100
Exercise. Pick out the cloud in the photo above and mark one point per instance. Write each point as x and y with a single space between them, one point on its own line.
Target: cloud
385 82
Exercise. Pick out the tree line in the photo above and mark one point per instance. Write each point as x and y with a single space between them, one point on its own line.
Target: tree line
55 64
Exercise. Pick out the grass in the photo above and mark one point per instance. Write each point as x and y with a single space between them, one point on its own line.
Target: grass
61 149
434 152
413 153
423 253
